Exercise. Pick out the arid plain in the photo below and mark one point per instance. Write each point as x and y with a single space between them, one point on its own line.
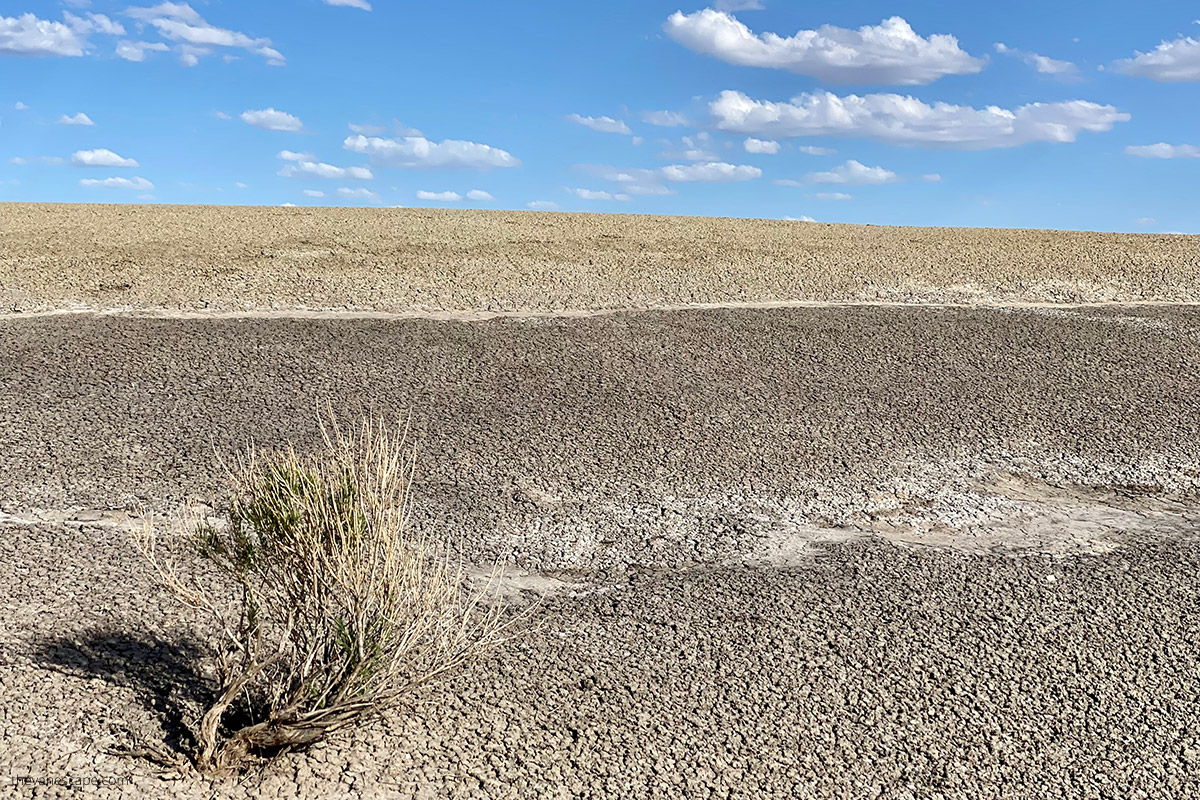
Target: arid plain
810 510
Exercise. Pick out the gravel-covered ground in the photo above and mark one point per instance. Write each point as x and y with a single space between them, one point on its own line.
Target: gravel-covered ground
235 258
719 493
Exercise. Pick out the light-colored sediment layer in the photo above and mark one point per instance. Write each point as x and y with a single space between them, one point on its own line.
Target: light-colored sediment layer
247 258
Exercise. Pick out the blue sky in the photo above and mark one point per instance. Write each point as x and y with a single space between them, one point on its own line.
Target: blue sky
1024 114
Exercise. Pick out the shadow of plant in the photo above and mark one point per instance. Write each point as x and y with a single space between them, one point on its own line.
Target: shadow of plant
164 675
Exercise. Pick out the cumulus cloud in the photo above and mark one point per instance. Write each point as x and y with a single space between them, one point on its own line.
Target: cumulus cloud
76 119
19 106
136 51
602 124
766 146
358 194
1170 62
443 197
854 173
480 196
542 205
888 53
694 148
664 119
1163 150
306 165
100 158
419 152
363 4
709 172
897 119
179 22
592 194
271 120
28 35
801 218
1042 64
140 184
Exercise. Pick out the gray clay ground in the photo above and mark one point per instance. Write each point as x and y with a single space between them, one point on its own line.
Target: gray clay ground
855 552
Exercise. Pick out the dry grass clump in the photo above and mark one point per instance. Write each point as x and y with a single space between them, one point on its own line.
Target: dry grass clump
341 608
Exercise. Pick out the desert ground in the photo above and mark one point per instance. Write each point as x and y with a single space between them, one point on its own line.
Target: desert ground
800 510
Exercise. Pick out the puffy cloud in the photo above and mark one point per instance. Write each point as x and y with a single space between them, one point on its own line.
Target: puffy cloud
1164 150
77 119
358 194
363 4
19 106
602 124
694 149
897 119
854 173
271 120
27 35
100 158
305 164
831 196
179 22
1043 64
709 172
888 53
1170 62
664 119
480 196
542 205
444 197
419 152
136 51
592 194
801 218
766 146
140 184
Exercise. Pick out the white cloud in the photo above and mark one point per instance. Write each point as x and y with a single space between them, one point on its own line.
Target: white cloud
542 205
1170 62
480 196
78 119
709 172
18 161
369 130
897 119
419 152
20 106
314 193
141 184
767 146
136 51
100 158
221 115
932 177
888 53
664 119
854 173
602 124
636 140
694 149
1043 64
287 205
591 194
788 182
816 151
27 35
801 218
271 120
363 4
179 22
1164 150
444 197
305 164
831 196
241 185
358 194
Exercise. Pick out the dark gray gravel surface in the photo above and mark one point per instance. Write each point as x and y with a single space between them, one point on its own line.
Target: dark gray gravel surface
872 672
584 442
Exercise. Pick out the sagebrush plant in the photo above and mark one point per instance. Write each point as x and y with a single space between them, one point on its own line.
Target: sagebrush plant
340 609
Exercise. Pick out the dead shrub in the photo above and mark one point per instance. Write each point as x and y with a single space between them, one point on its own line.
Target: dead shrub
340 607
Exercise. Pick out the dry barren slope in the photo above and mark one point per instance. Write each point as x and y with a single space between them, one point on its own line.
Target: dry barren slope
238 258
